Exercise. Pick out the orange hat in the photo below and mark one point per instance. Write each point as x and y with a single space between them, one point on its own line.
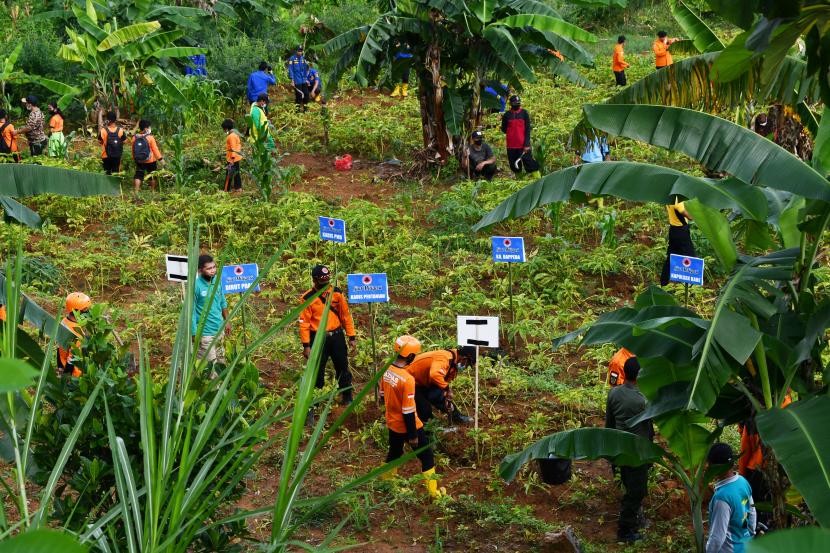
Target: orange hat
407 345
77 301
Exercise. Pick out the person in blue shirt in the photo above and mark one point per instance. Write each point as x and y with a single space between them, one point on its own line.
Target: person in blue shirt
403 59
197 66
596 150
315 85
298 74
258 82
216 316
501 97
732 515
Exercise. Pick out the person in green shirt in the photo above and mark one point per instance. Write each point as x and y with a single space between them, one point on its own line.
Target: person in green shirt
260 126
217 312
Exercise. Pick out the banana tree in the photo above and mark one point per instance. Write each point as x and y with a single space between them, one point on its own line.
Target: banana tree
458 47
765 338
10 75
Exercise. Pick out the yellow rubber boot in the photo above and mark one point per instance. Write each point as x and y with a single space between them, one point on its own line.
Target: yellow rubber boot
396 92
431 481
390 474
404 90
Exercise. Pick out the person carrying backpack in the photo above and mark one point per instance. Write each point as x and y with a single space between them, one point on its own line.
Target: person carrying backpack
112 139
233 155
8 140
146 154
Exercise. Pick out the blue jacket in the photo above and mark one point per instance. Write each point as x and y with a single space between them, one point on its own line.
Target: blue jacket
258 83
297 69
314 77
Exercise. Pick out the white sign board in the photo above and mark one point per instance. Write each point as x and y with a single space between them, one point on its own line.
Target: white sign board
478 331
176 267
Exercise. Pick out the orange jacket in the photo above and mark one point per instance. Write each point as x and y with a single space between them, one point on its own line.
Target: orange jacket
662 56
616 372
752 454
233 147
102 138
65 355
339 315
434 368
155 153
56 123
618 62
9 138
399 395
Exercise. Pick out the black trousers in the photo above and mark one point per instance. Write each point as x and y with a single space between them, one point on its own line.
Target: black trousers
301 95
397 441
487 172
635 482
111 165
233 174
760 492
334 348
680 243
36 148
513 156
426 398
141 169
619 77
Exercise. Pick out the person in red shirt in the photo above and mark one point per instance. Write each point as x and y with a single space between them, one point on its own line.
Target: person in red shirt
401 416
233 155
433 372
515 124
146 154
618 63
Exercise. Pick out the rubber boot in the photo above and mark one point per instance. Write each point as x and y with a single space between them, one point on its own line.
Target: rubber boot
396 92
431 481
346 398
405 90
390 474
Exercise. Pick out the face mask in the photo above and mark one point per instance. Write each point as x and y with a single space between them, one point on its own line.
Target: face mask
477 142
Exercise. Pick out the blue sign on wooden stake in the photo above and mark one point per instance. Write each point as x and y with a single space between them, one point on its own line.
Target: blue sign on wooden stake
685 269
332 230
368 288
508 249
236 279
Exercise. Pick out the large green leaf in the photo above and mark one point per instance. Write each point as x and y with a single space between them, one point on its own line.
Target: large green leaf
178 52
694 27
808 539
533 7
145 47
821 149
482 9
506 49
547 23
167 85
42 541
716 229
454 111
54 86
18 212
621 448
15 374
687 436
28 180
631 181
718 144
10 61
128 34
741 14
798 435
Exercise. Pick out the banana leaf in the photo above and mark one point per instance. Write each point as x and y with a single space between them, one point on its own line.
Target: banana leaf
482 9
798 435
533 7
718 144
505 47
128 34
13 210
150 44
621 448
804 540
15 374
454 108
694 27
546 23
178 52
821 148
168 85
25 179
43 541
716 229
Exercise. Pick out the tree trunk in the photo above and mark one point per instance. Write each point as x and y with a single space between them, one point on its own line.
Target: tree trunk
443 144
778 483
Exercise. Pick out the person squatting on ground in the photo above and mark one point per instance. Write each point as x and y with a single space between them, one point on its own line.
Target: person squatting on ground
433 372
732 515
8 139
112 137
618 63
624 404
680 237
233 156
481 160
315 85
339 325
212 307
34 127
57 141
401 63
77 305
258 82
298 75
146 154
515 124
401 416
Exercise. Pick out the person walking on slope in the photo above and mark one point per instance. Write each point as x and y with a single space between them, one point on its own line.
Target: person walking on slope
77 304
401 416
34 127
680 237
146 155
433 372
111 137
339 325
618 63
233 155
260 126
662 56
298 74
57 141
732 516
258 82
212 308
624 404
515 124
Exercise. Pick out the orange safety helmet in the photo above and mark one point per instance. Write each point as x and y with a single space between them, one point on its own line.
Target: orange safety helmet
407 345
77 301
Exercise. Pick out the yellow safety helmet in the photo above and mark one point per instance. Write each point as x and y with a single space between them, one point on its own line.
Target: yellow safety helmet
407 345
77 301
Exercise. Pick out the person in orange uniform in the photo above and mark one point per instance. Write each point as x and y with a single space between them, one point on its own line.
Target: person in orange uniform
233 155
616 368
112 139
56 146
8 140
146 154
433 372
401 416
618 63
77 303
662 56
339 325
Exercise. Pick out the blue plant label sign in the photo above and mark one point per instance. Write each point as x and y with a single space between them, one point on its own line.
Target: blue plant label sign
236 279
685 269
368 288
508 249
332 230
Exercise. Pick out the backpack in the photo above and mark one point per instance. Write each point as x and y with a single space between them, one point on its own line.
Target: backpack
141 149
114 147
4 148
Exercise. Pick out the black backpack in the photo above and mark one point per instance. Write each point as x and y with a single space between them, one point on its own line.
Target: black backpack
114 145
4 148
141 149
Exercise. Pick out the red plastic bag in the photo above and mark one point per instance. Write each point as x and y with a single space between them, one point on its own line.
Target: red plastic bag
343 163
